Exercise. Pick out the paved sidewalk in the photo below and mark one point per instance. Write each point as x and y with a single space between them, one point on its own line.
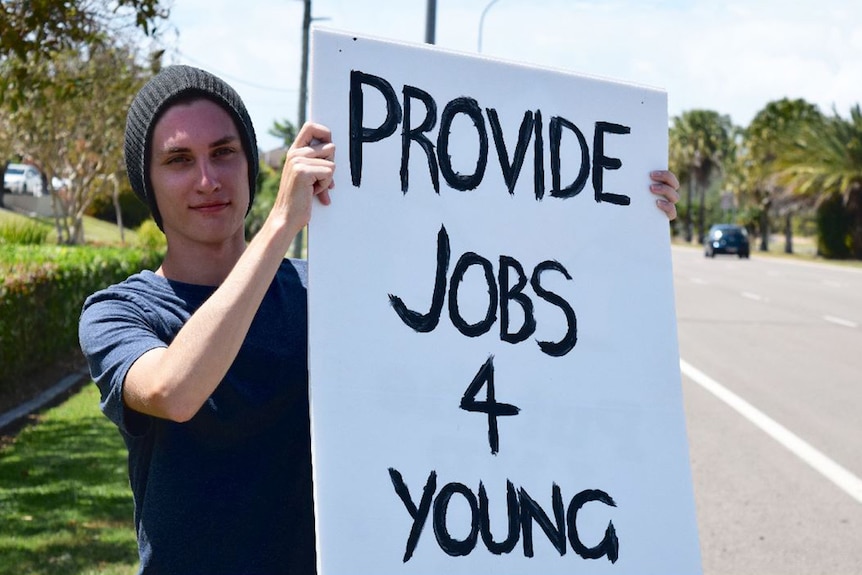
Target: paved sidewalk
14 416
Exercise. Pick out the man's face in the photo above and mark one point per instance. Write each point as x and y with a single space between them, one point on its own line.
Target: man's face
199 174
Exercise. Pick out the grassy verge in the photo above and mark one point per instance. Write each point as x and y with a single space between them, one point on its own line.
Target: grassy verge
65 502
95 230
804 249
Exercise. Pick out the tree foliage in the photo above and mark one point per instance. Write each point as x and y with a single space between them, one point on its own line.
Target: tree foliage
825 160
284 130
72 127
772 130
790 159
68 73
701 144
826 157
37 30
833 224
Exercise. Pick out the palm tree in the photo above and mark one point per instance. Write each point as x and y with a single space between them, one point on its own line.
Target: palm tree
284 130
772 130
700 143
826 159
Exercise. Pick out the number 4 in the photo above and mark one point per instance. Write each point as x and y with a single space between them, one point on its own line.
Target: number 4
491 406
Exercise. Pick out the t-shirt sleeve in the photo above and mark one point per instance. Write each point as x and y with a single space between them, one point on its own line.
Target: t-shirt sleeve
114 332
301 269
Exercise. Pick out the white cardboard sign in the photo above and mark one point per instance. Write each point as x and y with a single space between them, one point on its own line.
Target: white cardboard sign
494 371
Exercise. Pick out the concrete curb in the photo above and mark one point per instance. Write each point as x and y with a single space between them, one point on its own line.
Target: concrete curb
13 416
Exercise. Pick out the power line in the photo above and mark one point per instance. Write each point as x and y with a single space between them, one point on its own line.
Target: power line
234 79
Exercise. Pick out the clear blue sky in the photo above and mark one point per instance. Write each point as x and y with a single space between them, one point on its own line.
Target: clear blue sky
732 57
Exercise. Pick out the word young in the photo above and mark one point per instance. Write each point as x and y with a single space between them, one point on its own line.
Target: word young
440 160
523 511
426 322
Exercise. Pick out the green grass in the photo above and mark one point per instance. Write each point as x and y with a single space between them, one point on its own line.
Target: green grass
10 216
65 502
100 231
804 249
95 230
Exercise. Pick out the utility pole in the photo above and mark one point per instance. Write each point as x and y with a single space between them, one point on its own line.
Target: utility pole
303 79
303 102
431 22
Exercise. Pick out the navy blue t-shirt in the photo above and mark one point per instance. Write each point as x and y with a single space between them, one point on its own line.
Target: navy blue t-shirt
230 490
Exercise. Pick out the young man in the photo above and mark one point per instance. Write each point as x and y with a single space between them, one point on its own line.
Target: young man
202 363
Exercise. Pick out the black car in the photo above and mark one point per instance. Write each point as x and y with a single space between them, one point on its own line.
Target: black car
726 239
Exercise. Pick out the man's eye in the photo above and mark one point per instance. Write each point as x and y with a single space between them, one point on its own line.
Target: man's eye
224 152
176 160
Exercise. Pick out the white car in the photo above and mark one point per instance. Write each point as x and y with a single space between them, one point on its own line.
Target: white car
23 179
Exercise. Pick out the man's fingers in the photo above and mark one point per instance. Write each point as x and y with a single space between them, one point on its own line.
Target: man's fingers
669 193
324 197
668 208
311 135
322 151
665 177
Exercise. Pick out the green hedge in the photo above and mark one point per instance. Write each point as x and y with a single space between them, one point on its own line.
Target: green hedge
42 289
833 224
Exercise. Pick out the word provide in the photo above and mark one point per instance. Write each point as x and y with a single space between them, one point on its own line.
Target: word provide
426 322
523 511
439 157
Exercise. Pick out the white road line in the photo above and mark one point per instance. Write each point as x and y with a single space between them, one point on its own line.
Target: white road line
840 321
752 296
831 470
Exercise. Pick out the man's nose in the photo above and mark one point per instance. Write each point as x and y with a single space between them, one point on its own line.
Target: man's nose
208 181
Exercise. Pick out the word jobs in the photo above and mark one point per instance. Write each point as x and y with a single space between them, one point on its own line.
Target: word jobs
500 289
440 160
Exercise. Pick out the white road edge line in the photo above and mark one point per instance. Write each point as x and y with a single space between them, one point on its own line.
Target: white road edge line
840 321
752 296
831 470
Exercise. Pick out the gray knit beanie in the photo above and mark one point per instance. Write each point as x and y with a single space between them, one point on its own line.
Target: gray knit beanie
171 84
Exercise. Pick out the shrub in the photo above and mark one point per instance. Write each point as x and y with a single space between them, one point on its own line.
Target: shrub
833 229
42 289
134 211
150 237
24 232
264 199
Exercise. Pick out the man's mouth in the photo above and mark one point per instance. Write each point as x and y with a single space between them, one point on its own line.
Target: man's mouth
210 207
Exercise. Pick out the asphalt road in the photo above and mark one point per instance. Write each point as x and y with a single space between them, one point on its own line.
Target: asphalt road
772 378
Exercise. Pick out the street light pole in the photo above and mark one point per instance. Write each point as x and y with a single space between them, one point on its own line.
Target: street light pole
482 22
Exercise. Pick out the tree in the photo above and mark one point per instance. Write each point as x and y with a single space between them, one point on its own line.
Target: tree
73 124
66 79
286 131
772 130
283 130
826 159
35 30
701 141
833 228
268 181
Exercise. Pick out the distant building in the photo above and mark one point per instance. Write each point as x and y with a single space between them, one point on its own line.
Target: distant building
275 158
